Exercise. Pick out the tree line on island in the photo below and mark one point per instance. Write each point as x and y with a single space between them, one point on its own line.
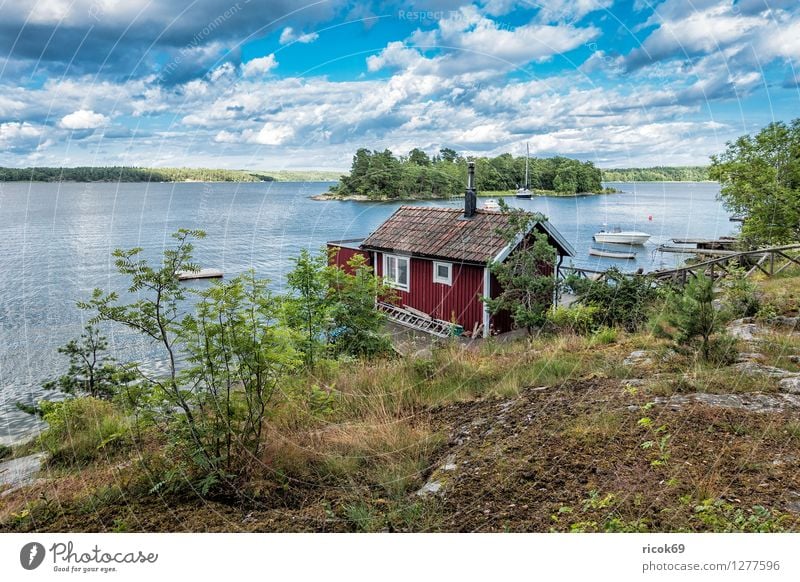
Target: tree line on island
382 175
137 174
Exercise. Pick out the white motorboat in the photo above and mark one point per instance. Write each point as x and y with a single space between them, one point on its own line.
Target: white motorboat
619 236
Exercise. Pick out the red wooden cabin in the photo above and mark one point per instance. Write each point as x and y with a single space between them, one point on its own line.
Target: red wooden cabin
437 259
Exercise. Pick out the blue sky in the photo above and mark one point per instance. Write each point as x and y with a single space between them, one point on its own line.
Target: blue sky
271 84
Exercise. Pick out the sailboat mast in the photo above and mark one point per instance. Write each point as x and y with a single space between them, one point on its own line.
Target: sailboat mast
527 156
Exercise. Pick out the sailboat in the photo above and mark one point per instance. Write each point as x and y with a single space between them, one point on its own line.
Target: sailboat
524 192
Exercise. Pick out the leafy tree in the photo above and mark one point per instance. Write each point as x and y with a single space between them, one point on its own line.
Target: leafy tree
526 275
157 315
237 355
418 157
307 308
357 327
448 155
92 371
760 179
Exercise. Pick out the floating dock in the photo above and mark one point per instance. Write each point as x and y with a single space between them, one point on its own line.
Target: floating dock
201 274
696 251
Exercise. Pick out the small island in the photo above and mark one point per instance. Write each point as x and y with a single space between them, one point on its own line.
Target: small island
382 176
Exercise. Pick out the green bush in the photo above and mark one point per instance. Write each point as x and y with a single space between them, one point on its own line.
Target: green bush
605 335
82 430
580 319
740 295
621 300
5 451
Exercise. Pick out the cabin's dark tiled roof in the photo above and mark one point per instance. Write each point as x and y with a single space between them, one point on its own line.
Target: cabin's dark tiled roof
444 233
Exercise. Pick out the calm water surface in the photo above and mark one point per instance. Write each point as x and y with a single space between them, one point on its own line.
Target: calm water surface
57 240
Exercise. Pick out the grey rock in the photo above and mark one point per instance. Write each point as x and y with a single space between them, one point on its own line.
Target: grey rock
638 358
744 329
791 385
750 357
760 403
750 367
784 321
430 488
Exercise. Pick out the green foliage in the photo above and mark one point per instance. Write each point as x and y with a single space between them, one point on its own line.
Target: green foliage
128 174
692 312
526 275
605 335
760 180
740 294
307 308
356 326
381 175
82 430
657 174
237 355
92 371
621 300
580 319
5 451
720 516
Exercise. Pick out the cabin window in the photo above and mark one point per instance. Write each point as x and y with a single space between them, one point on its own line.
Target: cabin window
395 271
443 273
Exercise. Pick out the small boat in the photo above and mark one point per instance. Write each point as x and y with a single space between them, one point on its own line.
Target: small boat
525 192
619 236
491 205
611 254
201 274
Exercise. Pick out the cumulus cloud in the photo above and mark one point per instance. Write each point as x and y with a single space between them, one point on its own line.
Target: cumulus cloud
469 42
288 35
83 119
259 66
19 136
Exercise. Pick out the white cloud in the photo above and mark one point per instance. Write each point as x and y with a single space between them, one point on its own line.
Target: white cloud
13 133
288 35
270 134
83 119
259 66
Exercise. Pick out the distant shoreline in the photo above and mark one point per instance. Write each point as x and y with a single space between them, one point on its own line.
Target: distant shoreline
126 174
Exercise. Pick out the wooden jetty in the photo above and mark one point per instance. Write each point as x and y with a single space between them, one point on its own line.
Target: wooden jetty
696 251
200 274
723 242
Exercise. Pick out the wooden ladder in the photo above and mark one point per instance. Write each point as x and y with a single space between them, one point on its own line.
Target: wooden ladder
406 318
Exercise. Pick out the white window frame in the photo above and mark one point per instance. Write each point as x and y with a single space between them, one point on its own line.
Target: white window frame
391 278
443 280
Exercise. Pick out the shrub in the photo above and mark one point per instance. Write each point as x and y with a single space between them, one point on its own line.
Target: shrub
5 451
81 430
605 335
740 294
579 319
621 300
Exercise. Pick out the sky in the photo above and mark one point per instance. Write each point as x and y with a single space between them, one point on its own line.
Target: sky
281 84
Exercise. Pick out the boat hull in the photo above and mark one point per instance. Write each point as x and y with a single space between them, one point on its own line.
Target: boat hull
611 254
627 238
